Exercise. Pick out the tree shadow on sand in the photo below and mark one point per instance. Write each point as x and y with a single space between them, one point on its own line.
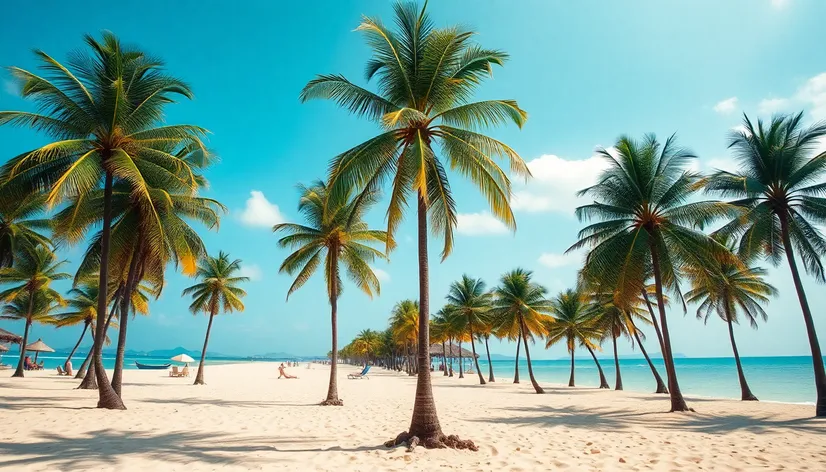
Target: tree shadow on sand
220 402
620 419
107 447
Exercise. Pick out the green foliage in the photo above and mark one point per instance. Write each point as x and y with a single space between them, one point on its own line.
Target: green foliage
218 290
518 300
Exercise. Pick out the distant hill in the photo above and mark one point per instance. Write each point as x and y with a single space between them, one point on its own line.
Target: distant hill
499 357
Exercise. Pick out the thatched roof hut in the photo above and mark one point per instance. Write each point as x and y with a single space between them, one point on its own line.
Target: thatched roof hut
451 349
7 337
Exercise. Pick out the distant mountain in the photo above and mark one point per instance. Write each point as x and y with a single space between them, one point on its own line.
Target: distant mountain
499 357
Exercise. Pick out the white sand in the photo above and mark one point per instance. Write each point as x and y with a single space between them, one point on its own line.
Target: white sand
245 419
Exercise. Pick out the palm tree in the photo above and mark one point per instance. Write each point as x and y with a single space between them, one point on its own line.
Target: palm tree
83 305
426 78
440 333
18 230
404 322
338 236
613 321
30 297
470 301
646 226
517 301
486 331
573 323
104 110
779 190
731 290
217 291
593 344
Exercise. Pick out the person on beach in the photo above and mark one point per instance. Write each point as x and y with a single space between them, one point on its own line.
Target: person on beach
281 373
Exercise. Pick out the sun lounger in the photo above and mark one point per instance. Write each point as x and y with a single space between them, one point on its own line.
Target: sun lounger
360 375
185 371
174 372
60 371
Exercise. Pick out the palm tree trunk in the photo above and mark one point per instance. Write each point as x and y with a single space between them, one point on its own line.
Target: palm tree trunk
81 373
618 384
199 379
125 305
603 382
424 424
528 356
475 358
19 371
461 361
490 364
79 340
654 322
90 380
571 380
660 384
814 344
745 391
516 363
444 356
677 401
107 398
332 389
411 369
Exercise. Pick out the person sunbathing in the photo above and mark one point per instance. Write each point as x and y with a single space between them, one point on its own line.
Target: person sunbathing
28 364
281 373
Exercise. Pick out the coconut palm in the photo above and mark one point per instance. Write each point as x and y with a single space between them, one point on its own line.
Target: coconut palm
470 301
779 188
337 236
519 302
217 291
645 226
104 110
440 332
404 322
19 230
485 333
573 323
613 321
426 77
29 294
83 305
731 291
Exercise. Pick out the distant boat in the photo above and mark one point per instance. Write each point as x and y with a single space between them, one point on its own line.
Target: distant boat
152 367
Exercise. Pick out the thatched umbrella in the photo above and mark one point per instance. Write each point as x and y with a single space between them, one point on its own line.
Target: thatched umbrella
7 337
37 347
452 351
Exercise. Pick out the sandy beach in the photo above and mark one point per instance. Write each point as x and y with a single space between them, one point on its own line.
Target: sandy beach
246 419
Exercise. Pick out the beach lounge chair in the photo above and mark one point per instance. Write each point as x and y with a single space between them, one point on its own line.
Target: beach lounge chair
360 375
60 371
185 371
174 371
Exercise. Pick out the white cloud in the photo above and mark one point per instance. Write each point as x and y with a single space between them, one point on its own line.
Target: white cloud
260 212
252 271
474 224
554 260
725 107
770 106
780 4
382 275
555 183
810 96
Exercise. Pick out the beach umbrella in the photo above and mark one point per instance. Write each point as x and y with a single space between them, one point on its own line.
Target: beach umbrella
37 347
7 337
183 358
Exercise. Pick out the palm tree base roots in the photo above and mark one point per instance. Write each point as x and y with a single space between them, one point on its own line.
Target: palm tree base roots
434 442
661 389
335 402
749 398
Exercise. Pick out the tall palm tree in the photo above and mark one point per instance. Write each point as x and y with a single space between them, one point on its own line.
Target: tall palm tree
337 236
471 301
104 110
19 230
426 77
573 323
30 297
404 322
645 226
780 188
487 330
594 344
614 321
83 305
731 291
517 301
217 291
440 333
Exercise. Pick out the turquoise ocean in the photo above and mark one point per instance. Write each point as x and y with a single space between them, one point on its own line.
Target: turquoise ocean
779 379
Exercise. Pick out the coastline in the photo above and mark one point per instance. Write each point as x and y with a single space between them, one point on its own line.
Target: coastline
245 418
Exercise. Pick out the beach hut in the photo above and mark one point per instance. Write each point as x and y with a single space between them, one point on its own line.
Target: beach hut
452 350
37 347
7 337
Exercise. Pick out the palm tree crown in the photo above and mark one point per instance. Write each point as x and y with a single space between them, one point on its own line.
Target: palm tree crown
218 290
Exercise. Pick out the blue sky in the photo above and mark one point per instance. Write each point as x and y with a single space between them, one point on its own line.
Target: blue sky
586 72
